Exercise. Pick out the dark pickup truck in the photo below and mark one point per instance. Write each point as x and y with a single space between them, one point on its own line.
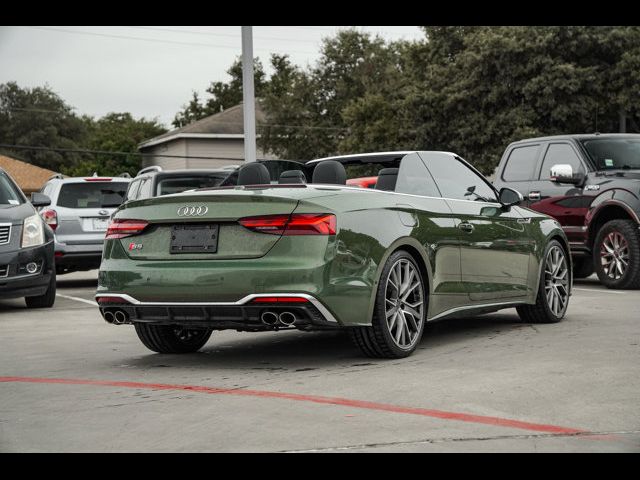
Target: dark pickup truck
591 185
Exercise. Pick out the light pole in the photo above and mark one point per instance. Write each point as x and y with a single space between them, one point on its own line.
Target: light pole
249 106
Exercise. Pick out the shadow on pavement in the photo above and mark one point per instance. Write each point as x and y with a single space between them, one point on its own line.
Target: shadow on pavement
304 351
62 283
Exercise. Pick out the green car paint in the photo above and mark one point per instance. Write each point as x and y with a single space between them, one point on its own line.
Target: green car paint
497 266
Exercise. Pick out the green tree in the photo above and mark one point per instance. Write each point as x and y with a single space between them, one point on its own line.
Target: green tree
223 94
308 117
506 83
39 117
115 132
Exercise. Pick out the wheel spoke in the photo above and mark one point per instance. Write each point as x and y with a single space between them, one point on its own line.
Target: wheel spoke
399 328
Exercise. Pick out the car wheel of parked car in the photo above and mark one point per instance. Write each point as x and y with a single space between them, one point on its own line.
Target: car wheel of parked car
582 267
616 254
44 301
553 290
399 313
172 339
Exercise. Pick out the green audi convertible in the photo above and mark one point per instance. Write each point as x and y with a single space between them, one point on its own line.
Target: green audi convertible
432 239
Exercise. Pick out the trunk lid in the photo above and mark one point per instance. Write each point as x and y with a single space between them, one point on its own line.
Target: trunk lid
221 209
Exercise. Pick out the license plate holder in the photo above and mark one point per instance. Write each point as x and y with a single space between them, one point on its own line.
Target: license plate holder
202 238
100 224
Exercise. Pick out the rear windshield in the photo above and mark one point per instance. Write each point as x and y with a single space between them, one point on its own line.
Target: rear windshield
180 184
92 194
9 195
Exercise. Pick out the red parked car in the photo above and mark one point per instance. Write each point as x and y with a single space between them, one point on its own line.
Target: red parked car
363 182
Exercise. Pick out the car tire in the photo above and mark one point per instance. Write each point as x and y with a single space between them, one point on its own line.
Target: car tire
406 310
48 299
582 267
172 339
554 288
616 255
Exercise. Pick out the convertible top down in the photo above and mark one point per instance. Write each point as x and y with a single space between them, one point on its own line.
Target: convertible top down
433 239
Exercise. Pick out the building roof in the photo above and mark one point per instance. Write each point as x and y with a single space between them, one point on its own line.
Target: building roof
226 124
29 178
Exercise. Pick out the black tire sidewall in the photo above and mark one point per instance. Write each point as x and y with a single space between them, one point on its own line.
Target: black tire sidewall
48 299
379 320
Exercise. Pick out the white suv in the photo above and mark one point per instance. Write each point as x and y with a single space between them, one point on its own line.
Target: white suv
79 214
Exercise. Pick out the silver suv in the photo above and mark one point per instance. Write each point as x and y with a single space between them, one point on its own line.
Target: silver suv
79 215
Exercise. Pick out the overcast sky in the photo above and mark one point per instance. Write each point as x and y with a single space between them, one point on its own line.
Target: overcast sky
149 71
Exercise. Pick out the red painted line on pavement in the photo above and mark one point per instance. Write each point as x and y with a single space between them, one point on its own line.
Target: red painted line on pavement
462 417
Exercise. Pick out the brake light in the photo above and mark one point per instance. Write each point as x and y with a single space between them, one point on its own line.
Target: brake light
97 179
50 217
125 228
295 224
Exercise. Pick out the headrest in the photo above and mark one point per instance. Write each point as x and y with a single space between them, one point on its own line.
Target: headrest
292 176
330 172
253 174
387 178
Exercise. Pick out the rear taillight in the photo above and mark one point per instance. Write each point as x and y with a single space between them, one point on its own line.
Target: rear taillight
50 217
295 224
125 228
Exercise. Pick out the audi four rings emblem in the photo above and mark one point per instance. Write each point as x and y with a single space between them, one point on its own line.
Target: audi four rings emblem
192 211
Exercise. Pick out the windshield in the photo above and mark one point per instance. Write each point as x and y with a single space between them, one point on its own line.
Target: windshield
92 194
180 184
9 195
614 153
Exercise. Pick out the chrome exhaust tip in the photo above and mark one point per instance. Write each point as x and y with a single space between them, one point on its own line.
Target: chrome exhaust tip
269 318
119 317
108 317
287 318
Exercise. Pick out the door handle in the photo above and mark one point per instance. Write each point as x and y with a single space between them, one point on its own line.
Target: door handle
466 227
534 195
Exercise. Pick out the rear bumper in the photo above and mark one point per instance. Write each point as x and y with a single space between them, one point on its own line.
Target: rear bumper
17 282
243 314
78 257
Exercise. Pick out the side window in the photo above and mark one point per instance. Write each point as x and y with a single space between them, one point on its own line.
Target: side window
132 191
521 163
414 178
560 153
456 180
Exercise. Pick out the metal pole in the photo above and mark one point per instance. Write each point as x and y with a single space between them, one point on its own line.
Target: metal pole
249 106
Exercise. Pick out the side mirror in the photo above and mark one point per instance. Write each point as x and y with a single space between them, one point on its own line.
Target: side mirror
563 173
509 197
40 200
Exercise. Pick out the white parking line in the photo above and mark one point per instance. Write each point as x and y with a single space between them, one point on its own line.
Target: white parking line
598 291
77 299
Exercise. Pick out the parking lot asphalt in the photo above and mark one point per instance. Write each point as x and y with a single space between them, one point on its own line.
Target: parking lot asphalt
71 382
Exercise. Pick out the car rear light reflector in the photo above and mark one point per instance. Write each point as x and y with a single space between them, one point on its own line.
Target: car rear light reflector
295 224
280 300
111 300
50 217
125 228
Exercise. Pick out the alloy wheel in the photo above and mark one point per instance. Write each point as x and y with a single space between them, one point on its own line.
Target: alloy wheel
404 303
556 280
614 255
